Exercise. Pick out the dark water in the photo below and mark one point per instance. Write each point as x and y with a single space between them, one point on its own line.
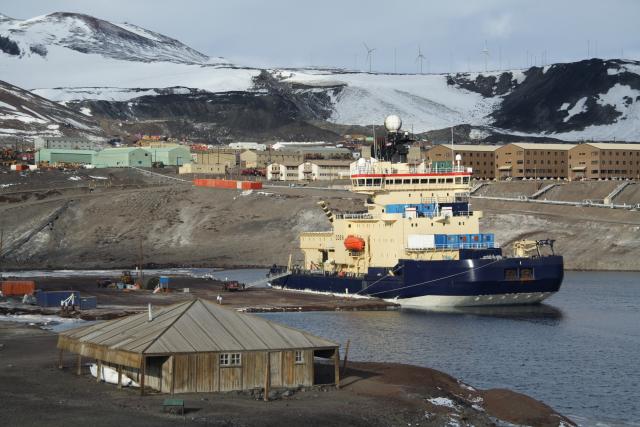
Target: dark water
579 352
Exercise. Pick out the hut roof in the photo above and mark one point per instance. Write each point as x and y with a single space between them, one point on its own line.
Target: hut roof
194 326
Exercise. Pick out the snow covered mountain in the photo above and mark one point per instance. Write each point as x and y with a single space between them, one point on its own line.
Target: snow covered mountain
25 115
89 35
124 73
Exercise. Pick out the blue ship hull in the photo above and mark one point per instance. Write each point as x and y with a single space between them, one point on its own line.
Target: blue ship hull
464 282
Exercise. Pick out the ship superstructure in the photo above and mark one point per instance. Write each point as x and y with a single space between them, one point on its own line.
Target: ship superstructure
419 241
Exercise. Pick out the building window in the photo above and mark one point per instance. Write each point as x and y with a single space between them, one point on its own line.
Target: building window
230 359
299 357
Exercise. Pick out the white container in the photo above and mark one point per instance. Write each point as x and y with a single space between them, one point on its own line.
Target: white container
410 212
421 241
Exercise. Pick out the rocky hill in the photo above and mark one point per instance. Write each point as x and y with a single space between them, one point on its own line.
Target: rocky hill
25 115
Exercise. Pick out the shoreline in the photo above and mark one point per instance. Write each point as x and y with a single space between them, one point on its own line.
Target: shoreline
370 394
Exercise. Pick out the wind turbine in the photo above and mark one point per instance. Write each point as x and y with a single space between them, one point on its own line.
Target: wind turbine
485 53
369 54
420 58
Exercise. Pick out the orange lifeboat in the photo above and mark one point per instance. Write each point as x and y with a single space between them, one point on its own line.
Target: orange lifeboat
354 243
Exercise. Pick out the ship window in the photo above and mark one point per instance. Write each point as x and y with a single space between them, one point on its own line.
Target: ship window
465 180
368 182
415 181
377 181
361 182
526 274
432 180
510 274
458 180
424 181
398 181
406 181
449 180
440 180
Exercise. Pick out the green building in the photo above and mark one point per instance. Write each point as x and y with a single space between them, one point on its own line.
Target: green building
60 155
170 156
122 157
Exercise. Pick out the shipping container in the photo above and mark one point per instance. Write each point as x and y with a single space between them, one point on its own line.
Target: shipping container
18 287
228 184
421 241
53 298
164 280
441 240
453 238
88 303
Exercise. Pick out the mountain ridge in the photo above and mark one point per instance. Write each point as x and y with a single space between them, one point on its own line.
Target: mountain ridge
589 99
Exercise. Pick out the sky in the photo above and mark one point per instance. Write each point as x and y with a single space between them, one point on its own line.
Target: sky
452 35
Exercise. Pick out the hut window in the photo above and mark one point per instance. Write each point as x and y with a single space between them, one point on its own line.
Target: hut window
299 356
230 359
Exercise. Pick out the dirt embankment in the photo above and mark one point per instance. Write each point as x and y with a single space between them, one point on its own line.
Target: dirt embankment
35 392
163 222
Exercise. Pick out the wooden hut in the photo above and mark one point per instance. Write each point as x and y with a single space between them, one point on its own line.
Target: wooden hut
199 346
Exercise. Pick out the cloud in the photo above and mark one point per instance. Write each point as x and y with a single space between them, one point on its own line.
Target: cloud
498 26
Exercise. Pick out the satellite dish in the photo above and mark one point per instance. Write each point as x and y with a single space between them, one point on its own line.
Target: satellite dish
458 157
393 123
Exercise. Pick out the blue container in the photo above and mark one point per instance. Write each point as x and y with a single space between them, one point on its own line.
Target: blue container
164 280
53 298
88 303
488 238
440 240
394 209
453 241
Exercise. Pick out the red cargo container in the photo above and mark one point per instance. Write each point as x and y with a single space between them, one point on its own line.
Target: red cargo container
18 287
228 183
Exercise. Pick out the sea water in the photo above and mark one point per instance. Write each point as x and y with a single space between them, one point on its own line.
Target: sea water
579 352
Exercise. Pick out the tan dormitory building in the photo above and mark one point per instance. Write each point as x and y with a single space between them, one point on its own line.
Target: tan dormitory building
283 171
260 159
478 157
524 160
215 162
604 161
324 170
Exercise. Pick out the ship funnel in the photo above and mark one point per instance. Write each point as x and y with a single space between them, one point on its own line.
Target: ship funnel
326 210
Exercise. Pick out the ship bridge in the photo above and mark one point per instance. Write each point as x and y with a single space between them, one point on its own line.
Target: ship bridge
370 176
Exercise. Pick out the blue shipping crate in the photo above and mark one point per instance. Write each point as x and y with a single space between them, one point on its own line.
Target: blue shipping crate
164 280
440 240
88 303
53 298
394 209
488 237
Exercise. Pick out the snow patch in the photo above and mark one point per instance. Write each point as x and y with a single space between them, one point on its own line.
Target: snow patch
442 401
86 111
7 106
578 108
75 178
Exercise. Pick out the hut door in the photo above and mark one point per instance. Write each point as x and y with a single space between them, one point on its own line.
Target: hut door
276 368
